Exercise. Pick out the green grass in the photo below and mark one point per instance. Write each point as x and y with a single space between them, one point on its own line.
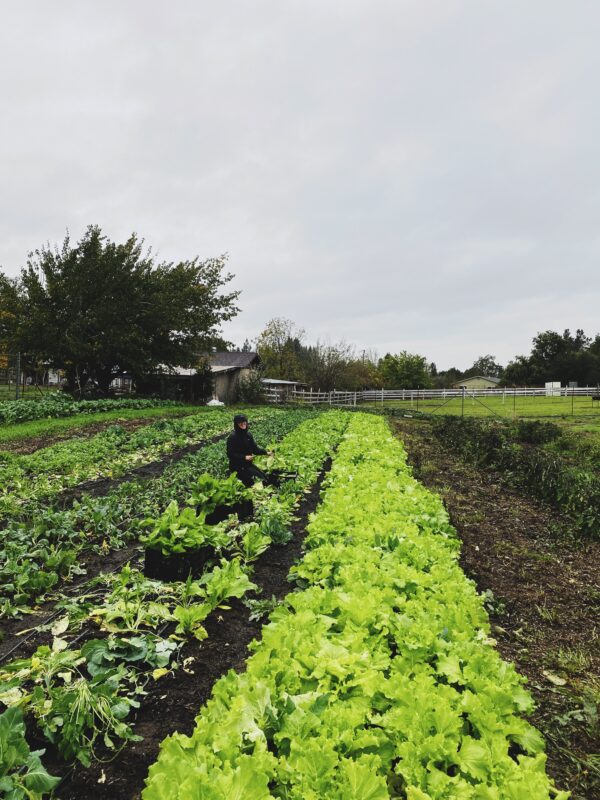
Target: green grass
26 393
50 427
509 407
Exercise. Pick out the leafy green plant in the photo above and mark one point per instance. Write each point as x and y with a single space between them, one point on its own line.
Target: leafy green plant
229 579
251 541
21 772
275 518
73 710
261 607
178 531
190 619
209 492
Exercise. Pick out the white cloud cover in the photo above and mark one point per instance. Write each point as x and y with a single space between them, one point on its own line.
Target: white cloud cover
398 173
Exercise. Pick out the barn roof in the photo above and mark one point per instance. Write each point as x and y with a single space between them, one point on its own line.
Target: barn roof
233 359
477 378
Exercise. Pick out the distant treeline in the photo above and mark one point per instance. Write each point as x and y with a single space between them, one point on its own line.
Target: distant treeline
554 357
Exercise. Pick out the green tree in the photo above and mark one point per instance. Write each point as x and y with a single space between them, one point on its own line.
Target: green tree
486 366
279 347
405 371
98 309
326 366
557 357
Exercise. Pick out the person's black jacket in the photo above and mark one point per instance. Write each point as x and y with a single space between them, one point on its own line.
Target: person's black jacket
239 445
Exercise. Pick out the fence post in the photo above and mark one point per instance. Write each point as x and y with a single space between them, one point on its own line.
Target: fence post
18 381
329 398
354 399
462 412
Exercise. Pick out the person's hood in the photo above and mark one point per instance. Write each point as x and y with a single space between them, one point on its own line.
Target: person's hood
236 422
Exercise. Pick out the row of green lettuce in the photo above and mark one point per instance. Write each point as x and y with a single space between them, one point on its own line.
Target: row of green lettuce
378 678
57 405
38 554
33 480
82 697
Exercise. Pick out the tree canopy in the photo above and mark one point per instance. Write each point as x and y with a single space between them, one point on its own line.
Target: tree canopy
97 309
558 357
405 371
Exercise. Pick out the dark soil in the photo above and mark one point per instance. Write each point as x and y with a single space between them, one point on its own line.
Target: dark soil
33 443
544 600
174 701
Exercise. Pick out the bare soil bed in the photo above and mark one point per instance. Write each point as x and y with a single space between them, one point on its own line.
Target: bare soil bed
543 589
174 701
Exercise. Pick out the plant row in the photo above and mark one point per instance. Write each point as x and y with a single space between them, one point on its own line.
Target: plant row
58 405
39 553
378 678
81 698
27 481
542 473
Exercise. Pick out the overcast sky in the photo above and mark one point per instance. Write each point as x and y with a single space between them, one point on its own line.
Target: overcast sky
399 174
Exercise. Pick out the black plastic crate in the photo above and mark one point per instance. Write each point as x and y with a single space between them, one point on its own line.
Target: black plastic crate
177 566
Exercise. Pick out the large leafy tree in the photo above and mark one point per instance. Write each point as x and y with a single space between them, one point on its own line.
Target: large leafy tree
487 366
405 371
98 309
557 357
280 349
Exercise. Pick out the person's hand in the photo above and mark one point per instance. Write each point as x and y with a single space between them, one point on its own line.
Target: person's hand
249 458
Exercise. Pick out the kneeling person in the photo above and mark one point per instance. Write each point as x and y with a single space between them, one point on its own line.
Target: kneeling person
241 449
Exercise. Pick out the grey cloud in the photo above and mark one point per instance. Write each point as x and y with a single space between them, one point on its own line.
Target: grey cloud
397 174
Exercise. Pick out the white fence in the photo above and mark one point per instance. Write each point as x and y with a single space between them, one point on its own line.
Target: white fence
337 398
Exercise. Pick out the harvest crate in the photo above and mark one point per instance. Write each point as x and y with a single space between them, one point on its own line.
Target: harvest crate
177 566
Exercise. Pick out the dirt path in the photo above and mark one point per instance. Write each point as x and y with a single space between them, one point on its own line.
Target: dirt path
544 600
175 700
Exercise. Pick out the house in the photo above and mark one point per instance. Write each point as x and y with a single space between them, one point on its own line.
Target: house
477 382
228 369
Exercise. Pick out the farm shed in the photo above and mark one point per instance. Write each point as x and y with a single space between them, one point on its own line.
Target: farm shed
177 383
477 382
279 391
228 369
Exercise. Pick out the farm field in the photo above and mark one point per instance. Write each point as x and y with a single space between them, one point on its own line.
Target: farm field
508 406
23 437
375 672
541 579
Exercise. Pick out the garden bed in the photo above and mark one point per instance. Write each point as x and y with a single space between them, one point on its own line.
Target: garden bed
544 599
173 701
